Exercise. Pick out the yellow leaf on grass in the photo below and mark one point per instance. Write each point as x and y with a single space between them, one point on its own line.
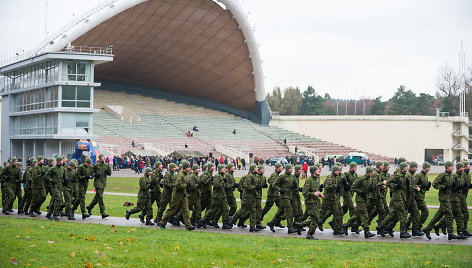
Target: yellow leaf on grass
88 265
108 248
154 259
27 229
91 238
428 262
73 254
28 264
272 262
42 227
176 248
319 249
133 229
346 264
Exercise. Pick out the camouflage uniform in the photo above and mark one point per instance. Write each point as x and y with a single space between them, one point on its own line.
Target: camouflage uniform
84 174
166 195
101 170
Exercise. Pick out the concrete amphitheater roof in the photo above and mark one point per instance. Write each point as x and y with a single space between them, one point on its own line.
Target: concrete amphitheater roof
200 48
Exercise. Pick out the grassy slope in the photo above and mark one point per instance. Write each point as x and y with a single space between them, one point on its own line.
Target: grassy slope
47 243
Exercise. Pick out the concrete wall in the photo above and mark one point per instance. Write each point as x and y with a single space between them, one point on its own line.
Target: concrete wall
391 136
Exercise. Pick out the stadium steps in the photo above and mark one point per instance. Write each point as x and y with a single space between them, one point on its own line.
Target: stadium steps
164 124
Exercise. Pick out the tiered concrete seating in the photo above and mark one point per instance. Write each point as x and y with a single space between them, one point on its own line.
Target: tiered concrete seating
164 124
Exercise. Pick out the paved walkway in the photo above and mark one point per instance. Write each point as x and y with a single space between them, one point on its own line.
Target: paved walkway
325 235
238 200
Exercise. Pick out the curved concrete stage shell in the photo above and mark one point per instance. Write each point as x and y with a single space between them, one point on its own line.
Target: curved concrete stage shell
202 49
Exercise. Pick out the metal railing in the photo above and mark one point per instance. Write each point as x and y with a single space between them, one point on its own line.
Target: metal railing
91 50
42 47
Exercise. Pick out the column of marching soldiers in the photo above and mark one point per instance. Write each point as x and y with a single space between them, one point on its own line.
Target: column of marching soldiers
183 189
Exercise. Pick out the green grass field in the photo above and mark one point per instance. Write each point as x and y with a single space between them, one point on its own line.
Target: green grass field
40 243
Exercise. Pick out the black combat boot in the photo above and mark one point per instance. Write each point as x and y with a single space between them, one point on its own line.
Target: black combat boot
71 217
427 232
20 211
201 224
85 215
368 234
127 214
241 223
436 229
5 212
26 212
344 228
260 227
462 235
355 229
271 226
251 229
380 230
405 235
149 222
141 218
452 236
467 233
48 216
292 230
320 226
443 228
278 224
311 237
31 214
89 210
38 212
104 215
191 228
417 233
390 232
298 226
55 218
227 226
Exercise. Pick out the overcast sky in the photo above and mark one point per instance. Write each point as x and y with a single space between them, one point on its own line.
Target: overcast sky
343 47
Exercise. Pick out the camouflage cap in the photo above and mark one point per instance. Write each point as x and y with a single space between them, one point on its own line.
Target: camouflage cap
230 165
14 159
20 163
51 160
336 168
40 157
386 164
352 164
260 167
378 164
148 169
100 156
171 166
72 163
59 158
157 164
185 164
413 164
34 161
221 166
313 169
297 168
209 165
277 165
459 165
288 166
205 166
369 170
195 167
426 165
252 167
88 160
401 160
403 165
338 164
448 164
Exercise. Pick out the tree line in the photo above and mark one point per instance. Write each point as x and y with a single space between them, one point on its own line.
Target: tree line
292 101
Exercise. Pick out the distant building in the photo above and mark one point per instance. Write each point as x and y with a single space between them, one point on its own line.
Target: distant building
47 101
